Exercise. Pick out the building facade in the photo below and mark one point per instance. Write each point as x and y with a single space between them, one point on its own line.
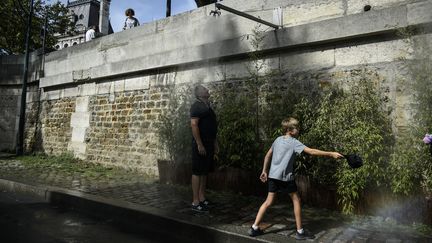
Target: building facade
84 13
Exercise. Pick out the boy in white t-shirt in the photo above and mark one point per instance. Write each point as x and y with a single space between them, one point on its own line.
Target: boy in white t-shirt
91 33
281 175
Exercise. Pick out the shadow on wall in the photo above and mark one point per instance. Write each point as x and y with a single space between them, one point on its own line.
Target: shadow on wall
214 29
8 116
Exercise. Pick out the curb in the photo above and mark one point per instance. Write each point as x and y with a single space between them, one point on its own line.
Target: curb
133 217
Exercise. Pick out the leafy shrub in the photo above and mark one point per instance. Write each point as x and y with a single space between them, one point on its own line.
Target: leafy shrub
173 128
411 163
238 138
349 120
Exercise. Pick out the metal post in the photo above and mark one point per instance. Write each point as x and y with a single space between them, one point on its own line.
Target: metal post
248 16
168 9
42 71
21 126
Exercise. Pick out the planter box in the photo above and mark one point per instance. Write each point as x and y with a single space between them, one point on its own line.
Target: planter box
174 173
315 194
226 179
237 180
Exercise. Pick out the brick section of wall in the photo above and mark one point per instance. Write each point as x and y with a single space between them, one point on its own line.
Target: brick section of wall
56 131
122 129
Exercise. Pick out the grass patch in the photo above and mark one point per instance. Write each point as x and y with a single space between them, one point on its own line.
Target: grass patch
69 165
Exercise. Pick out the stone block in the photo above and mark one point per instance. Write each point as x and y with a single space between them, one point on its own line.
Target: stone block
307 61
69 92
209 73
312 11
78 149
137 83
31 97
82 74
388 51
422 46
102 70
103 88
80 119
246 68
78 134
8 136
357 6
51 95
82 104
87 89
119 86
54 80
420 12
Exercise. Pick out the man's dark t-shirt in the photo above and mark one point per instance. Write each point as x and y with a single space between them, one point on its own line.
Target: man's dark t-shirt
207 120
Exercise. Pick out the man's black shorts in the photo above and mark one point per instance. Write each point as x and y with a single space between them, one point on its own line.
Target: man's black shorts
202 165
281 186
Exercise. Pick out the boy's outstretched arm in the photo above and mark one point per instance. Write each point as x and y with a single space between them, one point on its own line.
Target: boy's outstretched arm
317 152
267 158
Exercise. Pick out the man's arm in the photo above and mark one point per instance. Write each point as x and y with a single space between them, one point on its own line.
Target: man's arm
317 152
197 136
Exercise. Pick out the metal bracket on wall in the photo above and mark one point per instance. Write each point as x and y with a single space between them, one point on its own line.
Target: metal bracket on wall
248 16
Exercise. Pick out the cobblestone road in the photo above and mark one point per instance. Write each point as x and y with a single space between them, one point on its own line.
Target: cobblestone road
233 211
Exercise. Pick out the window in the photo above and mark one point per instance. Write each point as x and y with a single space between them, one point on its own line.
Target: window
81 16
74 43
65 45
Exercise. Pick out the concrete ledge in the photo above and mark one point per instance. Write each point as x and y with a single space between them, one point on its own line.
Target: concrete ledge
136 217
347 28
56 80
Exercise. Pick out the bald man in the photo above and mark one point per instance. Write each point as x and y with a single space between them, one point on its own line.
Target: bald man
204 146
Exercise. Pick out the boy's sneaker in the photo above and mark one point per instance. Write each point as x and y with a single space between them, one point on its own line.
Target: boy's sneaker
199 208
255 232
303 236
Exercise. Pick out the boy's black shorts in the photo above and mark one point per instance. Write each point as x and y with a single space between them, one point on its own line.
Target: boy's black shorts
281 186
202 165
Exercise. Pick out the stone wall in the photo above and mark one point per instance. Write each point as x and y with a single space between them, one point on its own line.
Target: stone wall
55 117
121 129
100 100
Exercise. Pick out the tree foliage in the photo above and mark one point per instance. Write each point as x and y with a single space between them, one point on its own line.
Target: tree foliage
13 24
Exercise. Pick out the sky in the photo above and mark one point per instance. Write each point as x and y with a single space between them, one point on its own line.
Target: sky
145 10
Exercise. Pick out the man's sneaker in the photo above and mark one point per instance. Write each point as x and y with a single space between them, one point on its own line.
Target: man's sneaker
255 232
303 236
206 203
199 208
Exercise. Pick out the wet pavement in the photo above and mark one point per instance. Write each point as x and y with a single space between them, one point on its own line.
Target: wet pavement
25 218
232 213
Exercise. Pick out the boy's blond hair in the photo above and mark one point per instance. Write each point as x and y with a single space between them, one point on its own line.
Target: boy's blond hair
289 124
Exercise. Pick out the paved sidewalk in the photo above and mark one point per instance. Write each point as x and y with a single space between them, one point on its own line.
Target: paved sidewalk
232 213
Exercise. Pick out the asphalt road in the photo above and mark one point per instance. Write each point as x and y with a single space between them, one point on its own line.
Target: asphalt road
25 218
